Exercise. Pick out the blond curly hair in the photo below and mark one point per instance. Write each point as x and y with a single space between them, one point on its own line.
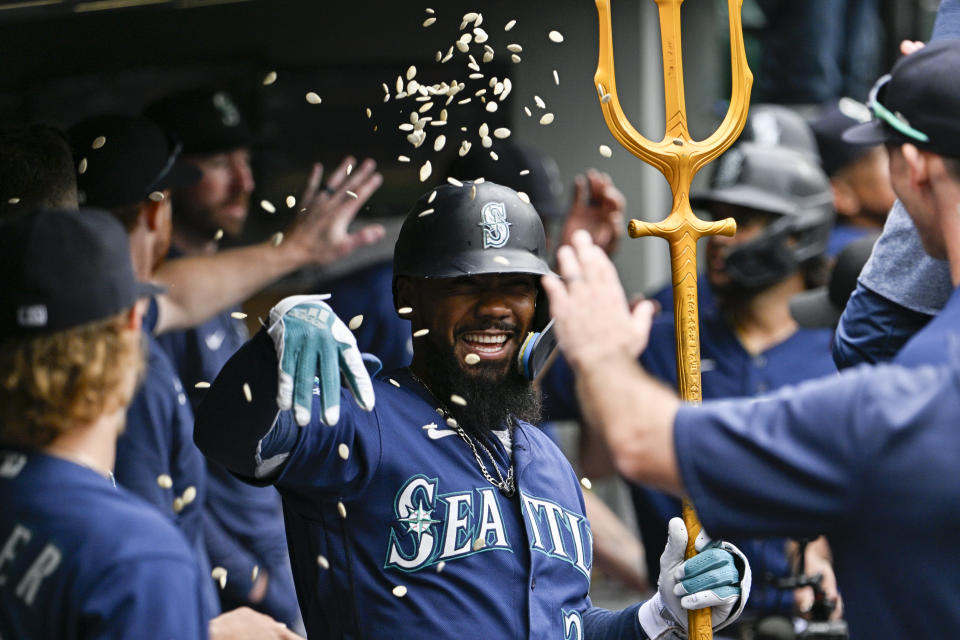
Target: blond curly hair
52 383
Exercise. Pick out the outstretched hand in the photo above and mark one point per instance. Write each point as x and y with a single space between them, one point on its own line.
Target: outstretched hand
593 320
319 232
598 208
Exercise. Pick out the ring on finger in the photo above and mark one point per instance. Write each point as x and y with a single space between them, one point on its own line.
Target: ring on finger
328 188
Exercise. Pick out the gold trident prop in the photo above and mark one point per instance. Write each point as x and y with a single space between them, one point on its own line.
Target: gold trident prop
678 157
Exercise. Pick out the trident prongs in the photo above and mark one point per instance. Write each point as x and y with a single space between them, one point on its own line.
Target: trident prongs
678 157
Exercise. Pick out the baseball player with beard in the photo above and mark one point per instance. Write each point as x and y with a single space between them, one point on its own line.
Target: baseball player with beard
440 510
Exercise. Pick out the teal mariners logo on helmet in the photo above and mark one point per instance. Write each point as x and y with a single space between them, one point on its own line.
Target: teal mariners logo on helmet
496 229
229 114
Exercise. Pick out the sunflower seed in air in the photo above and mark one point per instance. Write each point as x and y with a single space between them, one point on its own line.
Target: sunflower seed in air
501 132
343 451
441 565
605 151
313 98
202 385
270 78
514 48
430 11
555 36
556 78
238 315
177 505
254 573
156 196
268 206
523 196
393 382
355 322
323 562
515 58
421 333
82 167
509 25
464 101
404 311
491 106
218 235
189 495
342 508
276 239
352 194
220 575
433 195
164 481
425 171
455 182
471 358
439 142
425 107
455 399
429 21
98 142
291 202
451 421
479 35
487 142
525 172
464 148
546 118
473 192
527 111
403 159
494 156
349 169
479 544
399 591
585 482
424 213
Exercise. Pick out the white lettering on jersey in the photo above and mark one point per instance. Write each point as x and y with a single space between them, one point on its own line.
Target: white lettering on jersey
44 564
544 521
572 625
459 516
9 552
417 518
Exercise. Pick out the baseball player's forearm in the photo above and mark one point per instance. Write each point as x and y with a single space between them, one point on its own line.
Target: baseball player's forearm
228 427
602 624
199 287
635 414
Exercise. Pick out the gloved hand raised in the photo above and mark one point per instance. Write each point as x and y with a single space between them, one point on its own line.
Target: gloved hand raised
718 577
311 341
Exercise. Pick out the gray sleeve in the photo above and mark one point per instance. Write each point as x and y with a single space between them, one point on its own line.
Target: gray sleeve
900 270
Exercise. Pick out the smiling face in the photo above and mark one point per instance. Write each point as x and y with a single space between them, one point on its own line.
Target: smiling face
220 199
488 316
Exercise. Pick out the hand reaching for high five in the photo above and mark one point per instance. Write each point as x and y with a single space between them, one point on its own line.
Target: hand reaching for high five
319 233
598 208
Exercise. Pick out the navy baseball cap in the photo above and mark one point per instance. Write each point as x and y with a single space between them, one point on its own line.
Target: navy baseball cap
917 102
62 269
823 306
206 120
123 159
835 118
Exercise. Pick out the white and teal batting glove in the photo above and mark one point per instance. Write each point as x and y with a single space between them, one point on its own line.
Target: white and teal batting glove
717 577
312 342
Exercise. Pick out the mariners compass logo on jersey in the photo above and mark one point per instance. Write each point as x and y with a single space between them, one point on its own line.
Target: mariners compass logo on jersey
496 229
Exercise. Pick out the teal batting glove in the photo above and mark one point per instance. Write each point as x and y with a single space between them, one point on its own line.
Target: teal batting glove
312 342
718 577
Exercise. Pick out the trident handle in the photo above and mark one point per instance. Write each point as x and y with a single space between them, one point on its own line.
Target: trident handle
678 157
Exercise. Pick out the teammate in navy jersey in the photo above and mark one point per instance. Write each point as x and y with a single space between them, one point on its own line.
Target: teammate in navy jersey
440 511
861 458
79 557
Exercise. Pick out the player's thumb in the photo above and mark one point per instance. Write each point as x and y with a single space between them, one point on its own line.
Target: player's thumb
676 544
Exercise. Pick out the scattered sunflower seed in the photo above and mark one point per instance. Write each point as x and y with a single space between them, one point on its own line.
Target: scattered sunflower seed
254 573
475 76
291 202
276 239
539 102
98 142
491 106
438 56
605 151
556 78
425 171
247 393
479 544
405 126
430 11
479 35
433 196
164 481
439 142
509 25
313 98
220 575
515 58
546 118
455 399
494 156
555 36
424 213
156 196
527 111
473 192
202 385
411 72
270 78
403 159
420 333
462 46
177 505
501 132
355 322
501 260
352 194
463 101
585 482
464 148
268 206
343 451
441 565
487 56
323 562
405 311
455 182
451 422
393 382
429 21
523 196
238 315
218 235
525 172
487 142
82 167
349 169
514 48
399 591
342 508
471 358
189 495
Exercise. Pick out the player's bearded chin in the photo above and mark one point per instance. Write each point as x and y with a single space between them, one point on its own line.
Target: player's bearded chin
492 394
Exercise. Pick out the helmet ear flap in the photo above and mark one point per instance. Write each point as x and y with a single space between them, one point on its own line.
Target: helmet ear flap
541 314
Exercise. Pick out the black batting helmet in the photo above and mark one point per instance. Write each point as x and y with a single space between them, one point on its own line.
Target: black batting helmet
473 229
782 182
